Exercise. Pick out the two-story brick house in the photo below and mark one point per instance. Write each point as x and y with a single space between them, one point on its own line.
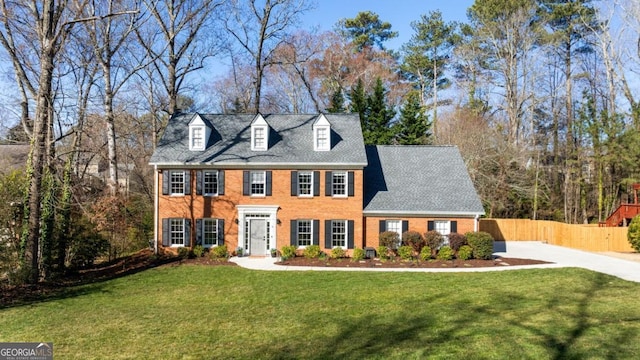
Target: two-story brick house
262 182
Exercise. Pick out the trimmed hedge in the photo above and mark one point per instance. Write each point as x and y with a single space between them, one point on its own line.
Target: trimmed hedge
482 244
413 239
445 253
389 239
465 252
457 240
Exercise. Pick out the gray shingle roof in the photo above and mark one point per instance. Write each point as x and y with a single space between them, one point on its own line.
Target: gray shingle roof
418 180
290 142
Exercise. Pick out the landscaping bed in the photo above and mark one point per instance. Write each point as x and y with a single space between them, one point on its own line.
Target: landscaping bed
398 263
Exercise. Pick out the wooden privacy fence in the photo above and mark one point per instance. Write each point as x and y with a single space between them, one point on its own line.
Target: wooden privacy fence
583 237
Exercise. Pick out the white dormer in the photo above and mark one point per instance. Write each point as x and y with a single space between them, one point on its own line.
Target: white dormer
199 133
322 134
259 134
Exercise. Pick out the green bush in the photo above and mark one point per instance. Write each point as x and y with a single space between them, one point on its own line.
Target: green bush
405 252
425 253
288 252
312 252
198 251
358 254
433 240
456 241
633 233
413 239
184 252
389 239
482 244
465 252
337 253
219 253
445 253
383 252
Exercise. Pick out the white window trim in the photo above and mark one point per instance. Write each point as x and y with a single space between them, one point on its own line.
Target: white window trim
171 233
171 182
346 184
264 183
346 234
310 233
204 176
316 138
398 225
192 138
265 138
310 194
204 220
447 232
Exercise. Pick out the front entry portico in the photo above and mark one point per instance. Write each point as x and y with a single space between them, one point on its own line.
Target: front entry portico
257 228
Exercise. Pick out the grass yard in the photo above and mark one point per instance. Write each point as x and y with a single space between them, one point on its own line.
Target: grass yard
204 312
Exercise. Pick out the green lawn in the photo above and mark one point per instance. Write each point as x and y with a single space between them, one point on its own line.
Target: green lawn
199 312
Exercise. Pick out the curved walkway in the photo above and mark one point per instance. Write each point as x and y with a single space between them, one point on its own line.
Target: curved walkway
559 256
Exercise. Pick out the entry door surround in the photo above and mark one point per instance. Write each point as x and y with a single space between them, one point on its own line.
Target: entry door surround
255 220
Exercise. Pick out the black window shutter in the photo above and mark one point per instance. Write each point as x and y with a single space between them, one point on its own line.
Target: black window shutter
350 232
165 233
220 232
198 231
245 183
327 234
220 182
187 182
316 232
405 226
187 232
268 181
294 233
199 182
316 183
350 189
294 183
454 226
166 176
328 180
383 226
430 225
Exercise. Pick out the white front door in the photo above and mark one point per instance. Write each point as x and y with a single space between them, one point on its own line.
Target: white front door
258 237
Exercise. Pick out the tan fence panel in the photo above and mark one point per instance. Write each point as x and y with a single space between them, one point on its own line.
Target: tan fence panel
583 237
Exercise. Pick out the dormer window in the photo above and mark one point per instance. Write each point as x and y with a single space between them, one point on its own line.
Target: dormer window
197 138
199 132
322 134
259 134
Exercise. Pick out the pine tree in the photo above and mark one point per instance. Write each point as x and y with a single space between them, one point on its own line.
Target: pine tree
414 126
376 129
337 102
358 101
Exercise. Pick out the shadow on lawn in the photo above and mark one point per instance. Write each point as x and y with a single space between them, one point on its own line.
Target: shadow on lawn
92 278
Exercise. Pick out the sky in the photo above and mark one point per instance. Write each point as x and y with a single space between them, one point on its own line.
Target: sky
399 13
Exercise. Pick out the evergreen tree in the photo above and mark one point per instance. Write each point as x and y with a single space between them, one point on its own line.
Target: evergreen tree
378 116
413 127
366 30
337 102
358 101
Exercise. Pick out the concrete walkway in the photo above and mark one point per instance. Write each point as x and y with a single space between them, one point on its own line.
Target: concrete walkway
557 255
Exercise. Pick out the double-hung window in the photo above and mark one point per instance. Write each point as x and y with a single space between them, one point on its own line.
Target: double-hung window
339 183
197 137
209 232
339 234
259 138
305 183
444 227
176 232
176 182
322 138
210 182
258 182
305 232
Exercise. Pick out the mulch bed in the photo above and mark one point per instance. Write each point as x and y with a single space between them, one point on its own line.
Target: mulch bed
398 263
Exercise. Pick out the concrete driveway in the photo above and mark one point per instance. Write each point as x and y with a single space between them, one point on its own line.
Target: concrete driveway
557 255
